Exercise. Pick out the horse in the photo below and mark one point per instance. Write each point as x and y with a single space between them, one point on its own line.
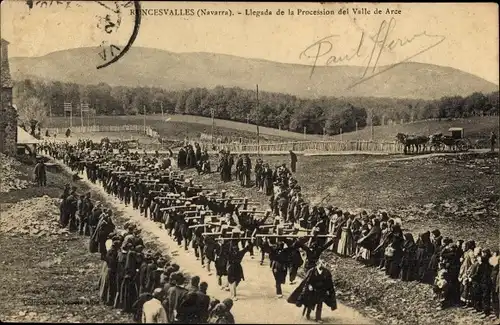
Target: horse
412 142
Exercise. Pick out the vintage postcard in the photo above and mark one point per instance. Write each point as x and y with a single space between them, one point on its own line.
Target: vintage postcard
249 162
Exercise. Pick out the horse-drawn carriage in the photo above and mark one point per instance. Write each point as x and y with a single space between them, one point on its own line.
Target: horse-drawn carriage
456 141
436 142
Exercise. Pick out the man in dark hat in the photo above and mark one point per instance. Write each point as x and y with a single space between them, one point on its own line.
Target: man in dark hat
175 295
316 288
293 161
40 172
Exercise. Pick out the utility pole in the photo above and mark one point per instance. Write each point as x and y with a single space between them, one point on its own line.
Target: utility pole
50 114
144 117
161 109
257 123
96 110
371 124
81 115
248 118
341 137
84 107
212 112
68 107
305 129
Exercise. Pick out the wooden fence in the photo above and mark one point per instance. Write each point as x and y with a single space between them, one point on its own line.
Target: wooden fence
321 146
299 146
100 128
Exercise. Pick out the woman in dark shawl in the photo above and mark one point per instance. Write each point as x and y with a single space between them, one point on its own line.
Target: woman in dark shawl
120 272
371 239
436 253
409 258
393 262
142 279
424 253
109 287
128 290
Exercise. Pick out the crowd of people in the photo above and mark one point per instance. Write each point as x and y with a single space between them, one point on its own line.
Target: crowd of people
461 273
153 188
133 279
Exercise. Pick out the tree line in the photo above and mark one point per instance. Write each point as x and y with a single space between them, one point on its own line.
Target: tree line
36 99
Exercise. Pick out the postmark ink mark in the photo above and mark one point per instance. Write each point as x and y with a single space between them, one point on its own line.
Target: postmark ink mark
112 51
48 4
106 49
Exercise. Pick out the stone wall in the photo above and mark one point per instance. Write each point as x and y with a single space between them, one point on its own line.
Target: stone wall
8 114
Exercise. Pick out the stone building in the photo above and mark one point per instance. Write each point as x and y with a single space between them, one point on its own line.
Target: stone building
8 114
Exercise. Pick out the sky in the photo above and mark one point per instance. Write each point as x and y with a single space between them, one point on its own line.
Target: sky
466 33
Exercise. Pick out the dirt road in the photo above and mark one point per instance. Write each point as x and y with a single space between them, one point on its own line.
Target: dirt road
257 299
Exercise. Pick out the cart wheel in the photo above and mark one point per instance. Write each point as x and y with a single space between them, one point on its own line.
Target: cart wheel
463 146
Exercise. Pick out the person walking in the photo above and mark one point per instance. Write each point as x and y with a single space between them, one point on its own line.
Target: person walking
293 161
493 140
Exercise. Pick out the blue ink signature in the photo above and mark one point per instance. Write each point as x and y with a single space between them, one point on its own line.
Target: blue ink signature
381 43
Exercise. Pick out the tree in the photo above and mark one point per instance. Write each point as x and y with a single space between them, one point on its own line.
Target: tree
32 112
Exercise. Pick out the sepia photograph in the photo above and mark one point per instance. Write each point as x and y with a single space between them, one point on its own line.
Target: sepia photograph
249 162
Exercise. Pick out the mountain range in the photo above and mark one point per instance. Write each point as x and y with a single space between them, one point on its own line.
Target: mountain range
150 67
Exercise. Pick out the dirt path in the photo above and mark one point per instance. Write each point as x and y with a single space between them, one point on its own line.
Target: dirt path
257 299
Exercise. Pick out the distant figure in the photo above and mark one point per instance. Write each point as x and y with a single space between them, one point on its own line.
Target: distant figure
293 161
68 133
493 140
40 172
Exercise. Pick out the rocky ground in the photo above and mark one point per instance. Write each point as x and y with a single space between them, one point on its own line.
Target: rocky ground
47 273
10 175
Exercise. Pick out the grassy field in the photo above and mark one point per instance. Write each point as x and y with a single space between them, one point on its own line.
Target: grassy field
475 128
181 126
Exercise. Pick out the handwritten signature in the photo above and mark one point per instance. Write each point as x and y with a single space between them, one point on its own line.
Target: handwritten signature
382 43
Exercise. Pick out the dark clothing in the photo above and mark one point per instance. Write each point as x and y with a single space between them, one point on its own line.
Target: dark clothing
40 174
194 308
322 291
175 296
293 161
